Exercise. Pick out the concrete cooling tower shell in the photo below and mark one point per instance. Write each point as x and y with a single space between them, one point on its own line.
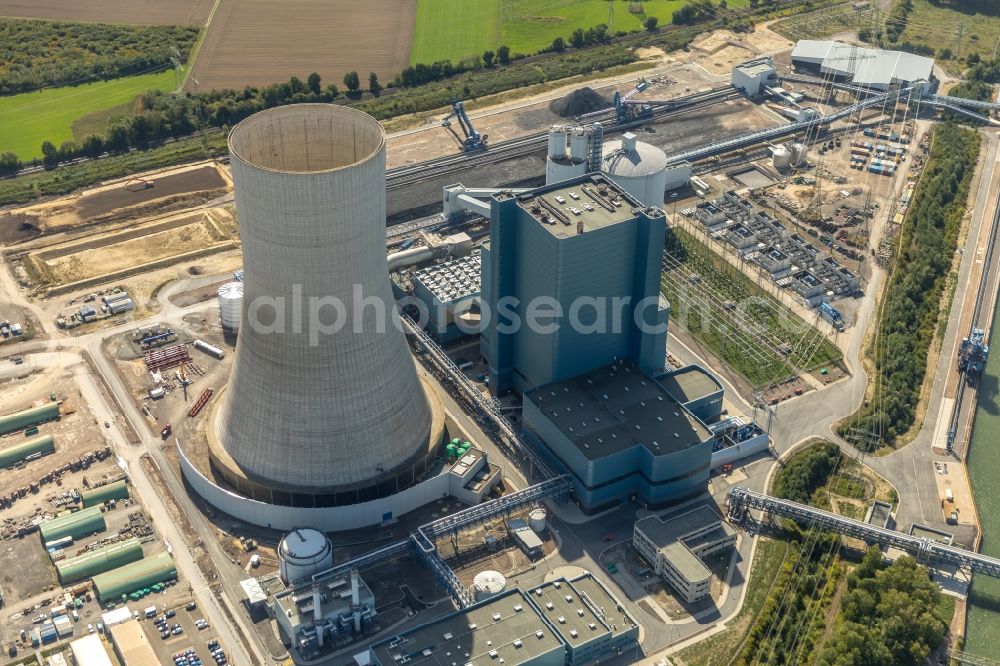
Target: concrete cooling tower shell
317 416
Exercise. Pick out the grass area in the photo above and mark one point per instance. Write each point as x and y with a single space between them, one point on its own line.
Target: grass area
454 29
819 24
97 121
728 313
464 28
938 25
28 119
718 650
70 177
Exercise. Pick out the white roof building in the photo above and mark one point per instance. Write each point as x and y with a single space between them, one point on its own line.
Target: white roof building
89 651
874 68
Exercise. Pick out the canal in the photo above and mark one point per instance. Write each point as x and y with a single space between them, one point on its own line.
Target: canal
982 637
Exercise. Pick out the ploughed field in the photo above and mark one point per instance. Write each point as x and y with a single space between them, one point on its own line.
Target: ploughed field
138 12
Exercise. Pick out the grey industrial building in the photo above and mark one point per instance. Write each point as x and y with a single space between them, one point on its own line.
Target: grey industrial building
562 623
872 68
583 263
621 435
675 548
752 75
450 292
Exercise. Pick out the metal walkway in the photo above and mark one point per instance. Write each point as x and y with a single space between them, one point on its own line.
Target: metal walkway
740 500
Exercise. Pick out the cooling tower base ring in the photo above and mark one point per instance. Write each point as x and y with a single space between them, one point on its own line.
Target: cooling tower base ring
388 483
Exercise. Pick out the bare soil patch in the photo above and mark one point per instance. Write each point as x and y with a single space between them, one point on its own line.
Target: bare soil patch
139 12
258 42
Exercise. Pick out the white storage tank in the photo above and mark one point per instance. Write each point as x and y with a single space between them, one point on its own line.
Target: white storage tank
536 520
799 152
579 145
781 157
230 304
302 553
488 584
639 168
557 141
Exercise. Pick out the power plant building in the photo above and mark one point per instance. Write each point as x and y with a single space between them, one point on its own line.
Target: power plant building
562 623
620 434
578 247
872 68
637 167
676 547
324 408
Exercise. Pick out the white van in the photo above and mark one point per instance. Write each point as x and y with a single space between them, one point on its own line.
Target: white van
150 612
948 496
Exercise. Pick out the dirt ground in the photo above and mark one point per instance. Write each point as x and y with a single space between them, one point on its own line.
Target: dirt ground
139 12
259 42
114 254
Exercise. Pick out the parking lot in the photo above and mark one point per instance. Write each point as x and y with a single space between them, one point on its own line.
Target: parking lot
189 638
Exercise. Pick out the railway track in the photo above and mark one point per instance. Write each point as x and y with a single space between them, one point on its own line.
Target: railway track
424 171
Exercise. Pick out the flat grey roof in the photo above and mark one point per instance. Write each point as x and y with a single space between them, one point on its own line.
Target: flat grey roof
569 612
667 535
610 205
614 615
864 65
616 407
450 640
690 383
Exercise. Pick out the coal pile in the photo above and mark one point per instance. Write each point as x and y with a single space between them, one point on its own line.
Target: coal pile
578 102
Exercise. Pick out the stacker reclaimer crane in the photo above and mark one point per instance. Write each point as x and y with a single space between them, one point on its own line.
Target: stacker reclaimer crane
473 139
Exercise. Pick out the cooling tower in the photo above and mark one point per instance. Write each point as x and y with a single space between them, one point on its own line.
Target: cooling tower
317 417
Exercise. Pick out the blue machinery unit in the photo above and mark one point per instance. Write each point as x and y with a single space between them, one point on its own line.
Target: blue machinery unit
740 500
626 113
832 315
972 354
473 139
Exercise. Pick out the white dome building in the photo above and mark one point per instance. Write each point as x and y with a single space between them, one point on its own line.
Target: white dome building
639 168
302 553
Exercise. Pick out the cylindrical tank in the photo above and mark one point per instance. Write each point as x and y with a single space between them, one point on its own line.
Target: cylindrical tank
557 141
638 168
536 519
799 152
320 367
781 158
302 553
488 584
579 145
230 304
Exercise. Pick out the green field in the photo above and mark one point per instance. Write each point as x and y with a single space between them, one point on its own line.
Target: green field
462 28
28 119
942 27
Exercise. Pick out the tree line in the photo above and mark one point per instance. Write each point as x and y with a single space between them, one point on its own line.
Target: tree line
912 300
807 471
38 54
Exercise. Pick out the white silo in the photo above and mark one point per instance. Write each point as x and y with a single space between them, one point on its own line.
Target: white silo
560 164
487 584
781 157
557 141
317 414
799 153
579 144
230 304
638 168
536 520
302 553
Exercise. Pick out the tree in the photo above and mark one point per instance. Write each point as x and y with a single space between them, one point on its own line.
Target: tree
9 164
723 4
50 155
558 44
577 39
374 87
488 57
945 54
332 91
352 81
93 146
117 138
651 22
314 83
503 55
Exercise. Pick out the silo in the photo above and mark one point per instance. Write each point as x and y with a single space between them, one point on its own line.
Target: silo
781 157
488 584
799 152
638 168
579 145
557 141
302 553
324 406
230 304
536 520
560 165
